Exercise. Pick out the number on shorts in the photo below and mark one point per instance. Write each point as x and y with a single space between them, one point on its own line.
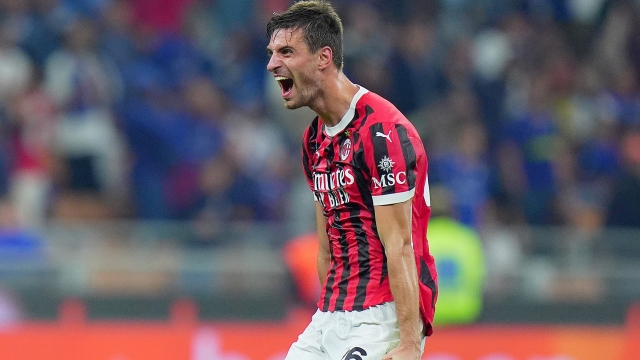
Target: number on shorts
355 354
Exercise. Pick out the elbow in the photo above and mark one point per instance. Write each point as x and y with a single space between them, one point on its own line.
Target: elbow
395 249
323 257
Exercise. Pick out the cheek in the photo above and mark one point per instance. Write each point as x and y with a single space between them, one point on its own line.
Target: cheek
307 71
308 77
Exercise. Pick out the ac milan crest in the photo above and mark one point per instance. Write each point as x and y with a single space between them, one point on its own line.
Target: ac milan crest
345 150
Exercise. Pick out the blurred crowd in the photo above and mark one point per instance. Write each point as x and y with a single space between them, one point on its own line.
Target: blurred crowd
163 109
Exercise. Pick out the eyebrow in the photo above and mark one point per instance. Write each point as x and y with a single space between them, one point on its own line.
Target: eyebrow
280 49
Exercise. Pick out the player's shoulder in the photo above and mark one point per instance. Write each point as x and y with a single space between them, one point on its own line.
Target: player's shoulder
378 110
311 132
377 103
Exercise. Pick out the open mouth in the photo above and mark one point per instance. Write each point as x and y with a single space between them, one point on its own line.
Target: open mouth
286 85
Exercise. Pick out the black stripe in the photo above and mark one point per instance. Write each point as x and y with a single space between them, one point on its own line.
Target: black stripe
385 272
308 172
364 258
409 154
309 147
313 134
427 279
343 283
329 288
330 152
359 162
368 110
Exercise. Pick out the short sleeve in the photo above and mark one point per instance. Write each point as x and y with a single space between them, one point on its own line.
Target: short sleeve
390 154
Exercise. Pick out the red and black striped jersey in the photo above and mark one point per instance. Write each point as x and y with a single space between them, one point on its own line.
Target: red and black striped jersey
373 156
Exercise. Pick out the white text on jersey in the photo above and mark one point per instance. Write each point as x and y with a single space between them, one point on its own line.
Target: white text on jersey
338 178
390 179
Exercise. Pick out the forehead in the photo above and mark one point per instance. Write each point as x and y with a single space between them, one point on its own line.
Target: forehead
287 37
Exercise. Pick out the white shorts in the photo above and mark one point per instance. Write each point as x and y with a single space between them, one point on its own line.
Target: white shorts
349 335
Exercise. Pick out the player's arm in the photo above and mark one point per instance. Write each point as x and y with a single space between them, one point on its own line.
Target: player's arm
394 227
324 253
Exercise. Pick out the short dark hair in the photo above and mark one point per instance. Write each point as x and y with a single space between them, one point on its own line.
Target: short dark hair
319 23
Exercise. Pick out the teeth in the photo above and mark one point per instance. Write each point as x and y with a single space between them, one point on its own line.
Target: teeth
280 78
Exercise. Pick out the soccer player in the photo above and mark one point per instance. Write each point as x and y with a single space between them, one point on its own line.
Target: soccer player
367 168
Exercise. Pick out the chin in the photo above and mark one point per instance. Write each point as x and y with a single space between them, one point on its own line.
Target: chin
291 105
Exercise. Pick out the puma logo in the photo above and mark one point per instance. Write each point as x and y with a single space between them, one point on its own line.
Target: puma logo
388 136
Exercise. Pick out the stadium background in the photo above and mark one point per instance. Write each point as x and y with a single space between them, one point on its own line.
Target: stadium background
150 183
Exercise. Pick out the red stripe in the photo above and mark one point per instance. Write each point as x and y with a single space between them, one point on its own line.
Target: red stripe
337 251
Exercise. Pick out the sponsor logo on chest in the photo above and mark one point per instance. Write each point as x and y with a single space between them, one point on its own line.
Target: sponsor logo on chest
334 180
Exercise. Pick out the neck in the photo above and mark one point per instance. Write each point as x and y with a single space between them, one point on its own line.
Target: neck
337 93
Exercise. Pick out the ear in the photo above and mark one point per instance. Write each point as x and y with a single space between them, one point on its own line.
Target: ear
325 57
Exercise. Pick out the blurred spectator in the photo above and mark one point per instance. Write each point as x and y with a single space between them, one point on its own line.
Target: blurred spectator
85 86
198 136
464 172
455 18
41 35
577 105
148 116
620 101
118 34
529 155
363 38
610 47
261 153
226 196
161 16
242 72
15 66
234 14
34 118
366 49
624 208
413 66
633 43
177 56
171 136
200 22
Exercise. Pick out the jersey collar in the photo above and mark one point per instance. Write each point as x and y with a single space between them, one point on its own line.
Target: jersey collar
346 119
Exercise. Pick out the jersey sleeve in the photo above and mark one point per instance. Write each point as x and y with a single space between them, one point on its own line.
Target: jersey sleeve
390 156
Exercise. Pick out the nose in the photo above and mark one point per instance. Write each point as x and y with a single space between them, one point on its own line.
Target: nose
274 63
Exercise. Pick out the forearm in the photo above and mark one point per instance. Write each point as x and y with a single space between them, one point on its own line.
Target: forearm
403 279
323 267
